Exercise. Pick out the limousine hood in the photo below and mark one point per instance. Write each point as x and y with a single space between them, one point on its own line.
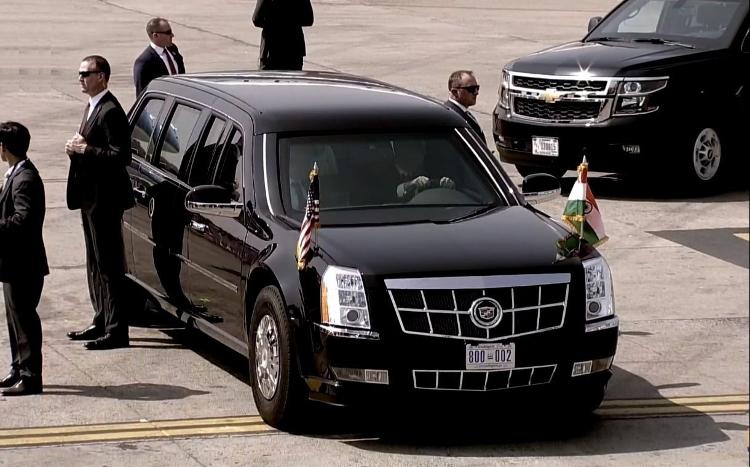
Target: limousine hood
601 59
509 238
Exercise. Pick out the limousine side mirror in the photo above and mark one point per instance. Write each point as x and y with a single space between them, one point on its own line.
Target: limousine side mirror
213 200
593 22
538 188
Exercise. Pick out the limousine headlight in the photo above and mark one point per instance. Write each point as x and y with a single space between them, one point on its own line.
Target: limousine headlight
600 301
342 298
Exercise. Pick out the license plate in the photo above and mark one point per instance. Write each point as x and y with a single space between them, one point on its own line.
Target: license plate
490 356
545 146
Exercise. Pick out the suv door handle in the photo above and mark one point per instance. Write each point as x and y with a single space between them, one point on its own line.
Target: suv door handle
198 227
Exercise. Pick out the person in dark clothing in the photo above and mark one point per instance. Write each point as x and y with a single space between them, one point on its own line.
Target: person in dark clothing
98 185
464 89
160 58
23 260
282 43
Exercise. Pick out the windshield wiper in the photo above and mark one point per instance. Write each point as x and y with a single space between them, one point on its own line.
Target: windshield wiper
658 40
605 39
476 212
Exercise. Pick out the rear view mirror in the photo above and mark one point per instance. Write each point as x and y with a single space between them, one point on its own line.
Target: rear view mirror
213 200
538 188
594 22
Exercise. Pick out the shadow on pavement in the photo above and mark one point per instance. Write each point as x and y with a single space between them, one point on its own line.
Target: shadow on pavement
655 189
133 391
468 431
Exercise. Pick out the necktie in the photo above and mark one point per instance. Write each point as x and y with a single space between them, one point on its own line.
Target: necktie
84 119
172 69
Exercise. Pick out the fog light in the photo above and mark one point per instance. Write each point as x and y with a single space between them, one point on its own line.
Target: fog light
594 308
591 366
362 375
631 148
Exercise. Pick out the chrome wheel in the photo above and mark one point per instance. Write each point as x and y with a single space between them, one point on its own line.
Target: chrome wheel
267 357
706 154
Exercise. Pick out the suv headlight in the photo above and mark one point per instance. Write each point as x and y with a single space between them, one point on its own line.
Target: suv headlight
342 299
600 299
635 96
503 92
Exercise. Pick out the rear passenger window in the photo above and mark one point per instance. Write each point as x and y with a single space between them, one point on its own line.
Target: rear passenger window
229 173
145 126
178 140
199 172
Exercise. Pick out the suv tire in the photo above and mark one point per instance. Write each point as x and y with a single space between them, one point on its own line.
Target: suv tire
707 157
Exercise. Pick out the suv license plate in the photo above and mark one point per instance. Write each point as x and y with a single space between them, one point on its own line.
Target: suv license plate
490 356
545 146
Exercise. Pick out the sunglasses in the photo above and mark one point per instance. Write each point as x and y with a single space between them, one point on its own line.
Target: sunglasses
168 32
471 89
86 74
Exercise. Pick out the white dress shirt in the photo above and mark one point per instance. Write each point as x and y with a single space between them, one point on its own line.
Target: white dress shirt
93 101
161 51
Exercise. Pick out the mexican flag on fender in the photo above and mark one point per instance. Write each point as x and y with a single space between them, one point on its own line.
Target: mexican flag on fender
581 211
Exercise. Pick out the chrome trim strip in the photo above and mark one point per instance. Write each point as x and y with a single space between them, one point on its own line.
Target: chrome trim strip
209 274
603 325
487 170
138 233
265 173
478 282
346 332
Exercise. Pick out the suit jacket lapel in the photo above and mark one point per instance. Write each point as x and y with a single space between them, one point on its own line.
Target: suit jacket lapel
94 114
158 59
5 192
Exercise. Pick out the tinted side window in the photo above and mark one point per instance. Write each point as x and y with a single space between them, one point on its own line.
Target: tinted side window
199 172
145 126
177 143
229 173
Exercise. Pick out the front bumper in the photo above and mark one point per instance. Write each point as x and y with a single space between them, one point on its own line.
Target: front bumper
420 368
619 144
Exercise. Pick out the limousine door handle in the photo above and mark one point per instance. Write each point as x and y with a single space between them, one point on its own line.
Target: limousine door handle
198 227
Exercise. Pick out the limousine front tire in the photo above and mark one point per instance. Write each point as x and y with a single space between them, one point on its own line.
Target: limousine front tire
278 389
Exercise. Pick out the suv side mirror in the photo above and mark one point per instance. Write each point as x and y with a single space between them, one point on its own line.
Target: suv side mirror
593 22
538 188
213 200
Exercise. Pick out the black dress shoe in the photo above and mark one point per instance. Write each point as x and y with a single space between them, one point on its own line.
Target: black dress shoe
90 333
24 387
10 380
108 341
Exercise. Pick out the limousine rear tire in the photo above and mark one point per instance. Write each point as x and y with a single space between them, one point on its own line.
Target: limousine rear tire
277 387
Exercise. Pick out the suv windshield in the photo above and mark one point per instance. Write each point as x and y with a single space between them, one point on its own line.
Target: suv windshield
707 24
385 177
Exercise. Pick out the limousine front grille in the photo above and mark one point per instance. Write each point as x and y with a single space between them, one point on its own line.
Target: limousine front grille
530 82
447 307
556 111
482 380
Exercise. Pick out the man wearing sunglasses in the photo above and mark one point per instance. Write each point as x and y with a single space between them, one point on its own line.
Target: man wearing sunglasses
464 90
98 185
160 58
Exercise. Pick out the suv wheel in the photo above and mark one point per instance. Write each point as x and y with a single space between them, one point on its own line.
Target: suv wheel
526 170
278 389
706 157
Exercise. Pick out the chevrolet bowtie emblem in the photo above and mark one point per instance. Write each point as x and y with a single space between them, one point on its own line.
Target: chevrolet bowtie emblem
550 95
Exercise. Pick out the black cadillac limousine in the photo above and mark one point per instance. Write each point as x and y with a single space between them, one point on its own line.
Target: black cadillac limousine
430 273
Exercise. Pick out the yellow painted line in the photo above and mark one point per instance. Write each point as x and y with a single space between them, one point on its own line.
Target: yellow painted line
744 236
26 437
675 406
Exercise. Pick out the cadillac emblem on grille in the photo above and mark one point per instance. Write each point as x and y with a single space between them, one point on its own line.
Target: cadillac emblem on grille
486 312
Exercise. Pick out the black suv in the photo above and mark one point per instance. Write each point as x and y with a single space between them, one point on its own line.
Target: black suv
656 83
454 286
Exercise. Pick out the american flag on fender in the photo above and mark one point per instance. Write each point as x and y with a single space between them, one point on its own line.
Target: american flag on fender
311 220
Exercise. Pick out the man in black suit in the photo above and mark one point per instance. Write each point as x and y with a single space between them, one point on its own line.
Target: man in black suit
282 44
98 185
23 260
160 58
464 90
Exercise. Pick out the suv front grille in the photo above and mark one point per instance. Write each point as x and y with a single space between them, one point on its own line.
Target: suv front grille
529 82
441 307
482 380
559 111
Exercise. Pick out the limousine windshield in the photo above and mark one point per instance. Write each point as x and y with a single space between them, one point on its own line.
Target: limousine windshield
386 177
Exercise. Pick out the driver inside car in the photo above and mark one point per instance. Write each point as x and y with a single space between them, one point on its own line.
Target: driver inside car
409 164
